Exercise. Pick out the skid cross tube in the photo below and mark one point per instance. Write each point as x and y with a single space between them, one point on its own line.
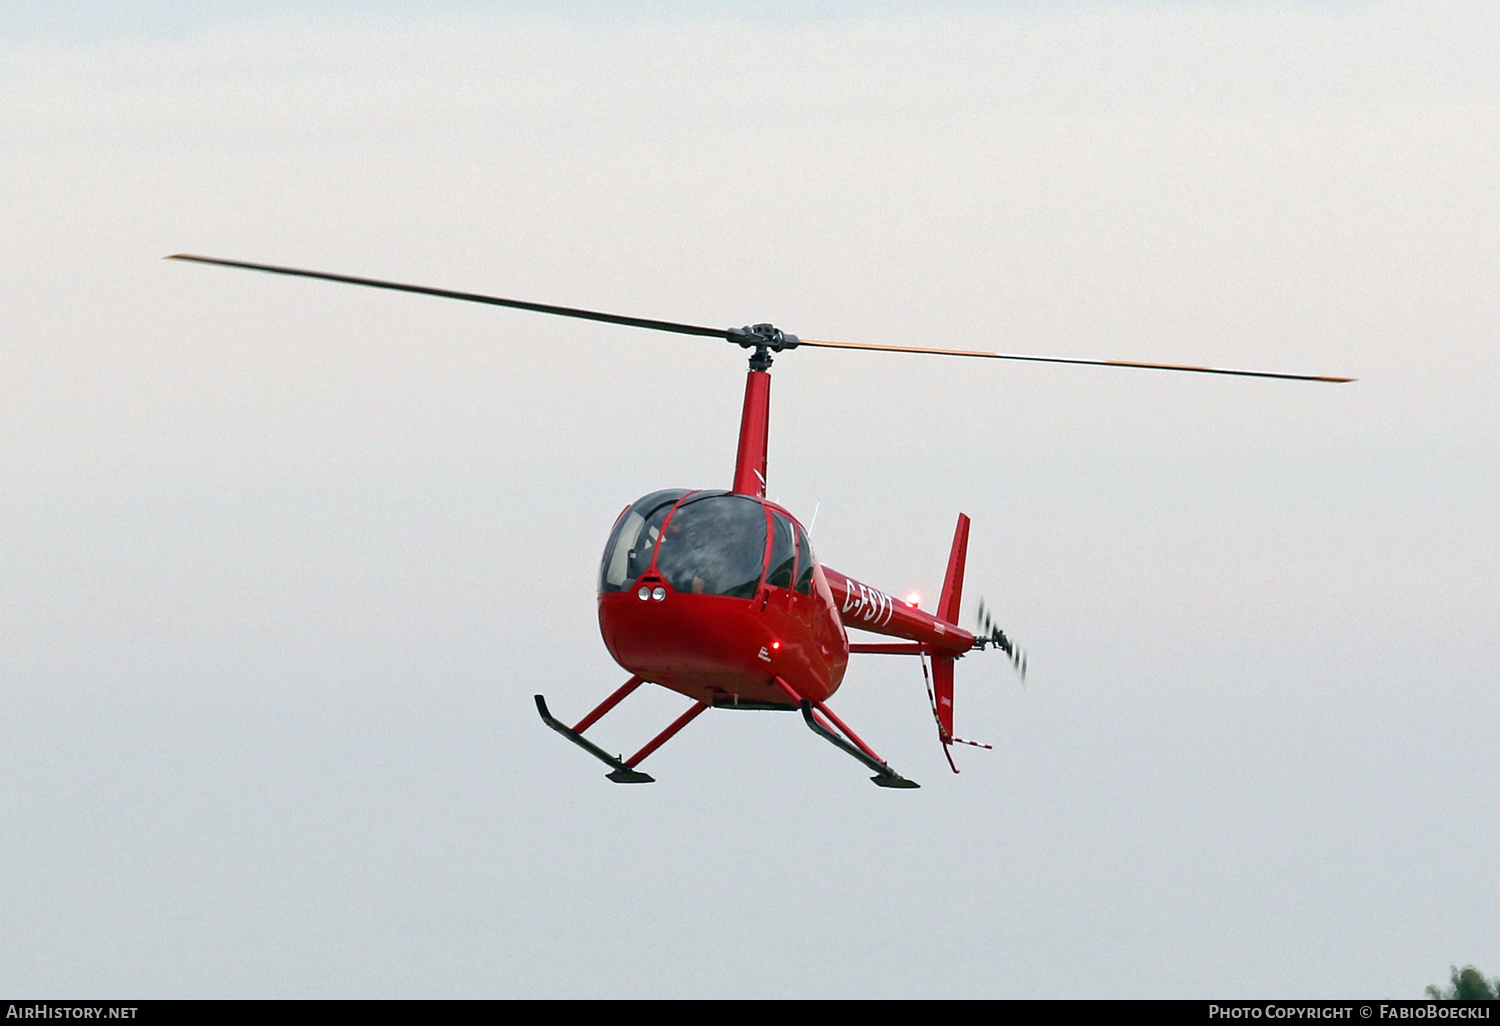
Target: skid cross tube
606 705
661 739
884 775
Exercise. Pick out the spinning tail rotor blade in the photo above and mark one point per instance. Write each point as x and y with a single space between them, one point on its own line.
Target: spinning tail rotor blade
467 297
817 343
989 633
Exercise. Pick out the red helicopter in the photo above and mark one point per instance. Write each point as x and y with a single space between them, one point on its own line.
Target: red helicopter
716 593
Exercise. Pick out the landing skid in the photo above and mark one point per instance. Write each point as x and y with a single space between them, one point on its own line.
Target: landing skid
624 771
884 775
849 742
622 774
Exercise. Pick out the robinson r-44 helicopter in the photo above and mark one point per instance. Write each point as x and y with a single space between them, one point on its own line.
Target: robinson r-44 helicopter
716 593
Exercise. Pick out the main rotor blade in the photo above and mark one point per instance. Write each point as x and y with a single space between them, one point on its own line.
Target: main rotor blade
468 297
1062 359
700 330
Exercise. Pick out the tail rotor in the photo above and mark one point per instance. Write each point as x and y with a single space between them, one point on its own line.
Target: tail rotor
990 635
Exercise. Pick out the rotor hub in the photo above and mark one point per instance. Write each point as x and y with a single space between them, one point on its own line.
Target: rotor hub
756 336
765 339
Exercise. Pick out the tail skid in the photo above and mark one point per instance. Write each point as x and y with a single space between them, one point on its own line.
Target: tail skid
945 731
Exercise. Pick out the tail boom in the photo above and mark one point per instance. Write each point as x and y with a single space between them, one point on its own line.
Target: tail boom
870 609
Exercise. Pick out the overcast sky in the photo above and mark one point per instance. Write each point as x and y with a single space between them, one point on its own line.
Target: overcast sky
282 563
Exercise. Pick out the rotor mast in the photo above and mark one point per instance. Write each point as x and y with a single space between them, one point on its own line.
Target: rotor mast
755 416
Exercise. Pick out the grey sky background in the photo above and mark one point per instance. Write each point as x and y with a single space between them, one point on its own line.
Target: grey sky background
284 562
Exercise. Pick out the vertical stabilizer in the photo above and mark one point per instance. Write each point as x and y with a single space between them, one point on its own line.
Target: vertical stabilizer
953 582
942 696
942 662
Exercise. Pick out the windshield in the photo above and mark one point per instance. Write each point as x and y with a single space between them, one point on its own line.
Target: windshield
715 544
631 546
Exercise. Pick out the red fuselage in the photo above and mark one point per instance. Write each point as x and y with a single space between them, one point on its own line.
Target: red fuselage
725 650
717 593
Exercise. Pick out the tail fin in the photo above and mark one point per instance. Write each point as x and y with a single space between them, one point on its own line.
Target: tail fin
940 684
942 697
947 611
953 583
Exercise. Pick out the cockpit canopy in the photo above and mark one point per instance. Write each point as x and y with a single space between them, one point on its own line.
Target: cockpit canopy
707 543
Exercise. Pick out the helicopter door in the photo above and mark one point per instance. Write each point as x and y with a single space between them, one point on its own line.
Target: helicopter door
781 571
783 553
804 564
803 607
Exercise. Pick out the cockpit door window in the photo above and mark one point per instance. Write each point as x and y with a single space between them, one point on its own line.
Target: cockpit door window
805 564
783 552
